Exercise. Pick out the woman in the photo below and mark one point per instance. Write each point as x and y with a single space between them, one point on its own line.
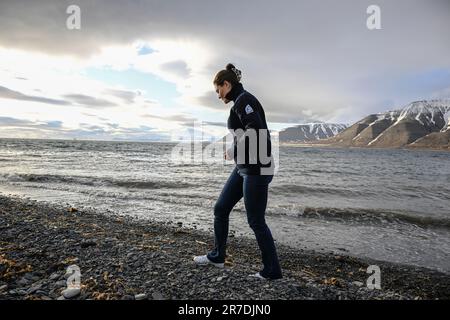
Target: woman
249 179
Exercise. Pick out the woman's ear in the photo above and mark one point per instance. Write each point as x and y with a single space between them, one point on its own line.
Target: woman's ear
227 85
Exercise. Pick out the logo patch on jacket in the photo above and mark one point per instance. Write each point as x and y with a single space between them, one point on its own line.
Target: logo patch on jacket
248 109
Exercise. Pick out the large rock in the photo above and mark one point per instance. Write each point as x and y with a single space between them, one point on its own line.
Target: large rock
71 293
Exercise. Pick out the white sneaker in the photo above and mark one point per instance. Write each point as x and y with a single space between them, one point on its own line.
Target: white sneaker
259 276
203 260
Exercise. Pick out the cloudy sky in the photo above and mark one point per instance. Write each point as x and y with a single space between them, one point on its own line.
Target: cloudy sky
143 70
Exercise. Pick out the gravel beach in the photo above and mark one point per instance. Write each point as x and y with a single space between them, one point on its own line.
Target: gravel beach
128 259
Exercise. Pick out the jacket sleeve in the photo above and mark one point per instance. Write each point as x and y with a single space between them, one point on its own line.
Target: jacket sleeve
249 114
250 118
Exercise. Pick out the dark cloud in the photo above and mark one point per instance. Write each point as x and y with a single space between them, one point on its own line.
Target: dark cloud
178 68
23 123
126 95
176 118
299 54
296 30
294 118
89 101
217 124
13 122
113 125
16 127
210 100
6 93
81 99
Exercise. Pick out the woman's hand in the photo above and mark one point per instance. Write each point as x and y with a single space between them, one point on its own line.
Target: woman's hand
228 155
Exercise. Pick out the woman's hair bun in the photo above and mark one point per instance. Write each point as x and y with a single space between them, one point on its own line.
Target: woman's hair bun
236 71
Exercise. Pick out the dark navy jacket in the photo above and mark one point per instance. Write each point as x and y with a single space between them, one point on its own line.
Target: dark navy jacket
248 114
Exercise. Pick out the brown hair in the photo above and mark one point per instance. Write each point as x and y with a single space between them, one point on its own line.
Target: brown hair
230 74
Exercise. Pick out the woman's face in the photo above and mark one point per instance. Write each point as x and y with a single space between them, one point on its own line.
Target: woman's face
223 90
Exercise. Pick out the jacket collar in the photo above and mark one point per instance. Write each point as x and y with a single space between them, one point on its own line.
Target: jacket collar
235 92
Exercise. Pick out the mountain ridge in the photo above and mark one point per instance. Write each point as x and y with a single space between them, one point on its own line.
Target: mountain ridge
420 124
311 132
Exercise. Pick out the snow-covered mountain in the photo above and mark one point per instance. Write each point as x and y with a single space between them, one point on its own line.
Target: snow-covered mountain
399 128
310 132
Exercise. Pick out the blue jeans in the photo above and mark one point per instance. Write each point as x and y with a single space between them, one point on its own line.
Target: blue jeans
254 189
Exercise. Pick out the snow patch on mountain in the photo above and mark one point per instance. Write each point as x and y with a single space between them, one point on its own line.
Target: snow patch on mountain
311 131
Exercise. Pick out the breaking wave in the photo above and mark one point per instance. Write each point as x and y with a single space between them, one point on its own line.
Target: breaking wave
92 181
372 216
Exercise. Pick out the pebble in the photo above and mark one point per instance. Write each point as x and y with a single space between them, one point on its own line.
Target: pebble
71 293
23 282
34 289
54 276
41 292
157 296
31 277
88 243
3 287
60 283
358 283
141 296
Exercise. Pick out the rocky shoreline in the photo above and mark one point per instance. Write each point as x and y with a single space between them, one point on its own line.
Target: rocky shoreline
127 259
